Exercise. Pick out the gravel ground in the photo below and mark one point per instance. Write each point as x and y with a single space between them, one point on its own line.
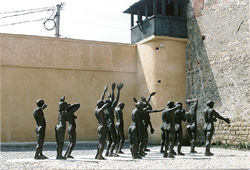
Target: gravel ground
21 157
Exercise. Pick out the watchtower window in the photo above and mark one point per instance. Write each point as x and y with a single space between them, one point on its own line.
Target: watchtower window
170 8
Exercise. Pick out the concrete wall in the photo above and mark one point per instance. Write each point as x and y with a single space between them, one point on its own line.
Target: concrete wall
48 68
217 67
161 68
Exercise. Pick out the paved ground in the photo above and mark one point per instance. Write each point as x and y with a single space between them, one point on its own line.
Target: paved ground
22 158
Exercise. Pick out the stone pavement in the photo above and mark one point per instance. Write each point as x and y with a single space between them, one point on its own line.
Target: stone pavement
22 158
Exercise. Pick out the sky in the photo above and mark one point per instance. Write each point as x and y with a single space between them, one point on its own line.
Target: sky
101 20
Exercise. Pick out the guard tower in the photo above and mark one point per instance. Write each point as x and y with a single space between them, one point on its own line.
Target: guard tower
158 17
160 37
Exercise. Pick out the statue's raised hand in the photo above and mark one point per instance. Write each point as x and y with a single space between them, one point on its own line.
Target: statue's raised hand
106 88
227 120
113 86
119 86
152 94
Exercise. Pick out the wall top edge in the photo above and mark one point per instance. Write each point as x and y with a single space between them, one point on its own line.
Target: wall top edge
155 38
64 39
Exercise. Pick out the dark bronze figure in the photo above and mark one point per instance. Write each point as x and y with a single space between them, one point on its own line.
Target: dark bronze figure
138 130
179 116
210 116
112 136
102 124
40 128
169 128
134 132
120 127
192 122
61 127
71 109
147 117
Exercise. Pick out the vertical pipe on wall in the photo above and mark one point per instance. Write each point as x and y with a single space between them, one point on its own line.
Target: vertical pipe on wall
163 7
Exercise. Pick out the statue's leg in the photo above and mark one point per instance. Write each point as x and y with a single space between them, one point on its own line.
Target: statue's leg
60 137
135 145
118 139
109 143
72 144
179 142
146 140
193 139
166 144
102 141
38 146
171 143
209 135
41 144
114 142
162 140
122 140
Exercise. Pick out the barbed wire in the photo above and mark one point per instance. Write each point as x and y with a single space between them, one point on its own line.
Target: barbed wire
27 13
23 22
8 12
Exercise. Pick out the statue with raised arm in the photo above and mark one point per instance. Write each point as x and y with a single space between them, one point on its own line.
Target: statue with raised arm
102 124
40 128
210 116
192 122
61 127
179 116
120 127
147 117
71 109
169 128
112 136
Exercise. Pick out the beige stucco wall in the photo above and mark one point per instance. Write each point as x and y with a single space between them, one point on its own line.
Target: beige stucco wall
48 68
161 59
40 67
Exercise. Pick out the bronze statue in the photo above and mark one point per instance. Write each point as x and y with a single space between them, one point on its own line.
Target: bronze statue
192 122
71 109
179 116
210 116
112 136
120 127
138 130
134 132
147 118
169 128
102 124
40 128
61 127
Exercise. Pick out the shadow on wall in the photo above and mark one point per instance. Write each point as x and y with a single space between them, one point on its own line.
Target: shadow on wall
200 81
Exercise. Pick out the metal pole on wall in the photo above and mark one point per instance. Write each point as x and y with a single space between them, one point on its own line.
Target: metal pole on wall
58 7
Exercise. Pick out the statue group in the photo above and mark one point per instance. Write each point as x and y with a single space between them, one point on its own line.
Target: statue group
65 114
108 109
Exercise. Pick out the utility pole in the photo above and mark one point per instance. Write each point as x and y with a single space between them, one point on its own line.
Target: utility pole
57 17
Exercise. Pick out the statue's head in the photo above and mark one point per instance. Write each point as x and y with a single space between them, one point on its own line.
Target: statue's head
178 103
62 99
139 105
40 102
100 103
170 104
210 104
121 105
143 99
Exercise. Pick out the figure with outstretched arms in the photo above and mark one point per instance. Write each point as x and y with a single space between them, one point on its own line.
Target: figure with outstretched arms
210 116
191 118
